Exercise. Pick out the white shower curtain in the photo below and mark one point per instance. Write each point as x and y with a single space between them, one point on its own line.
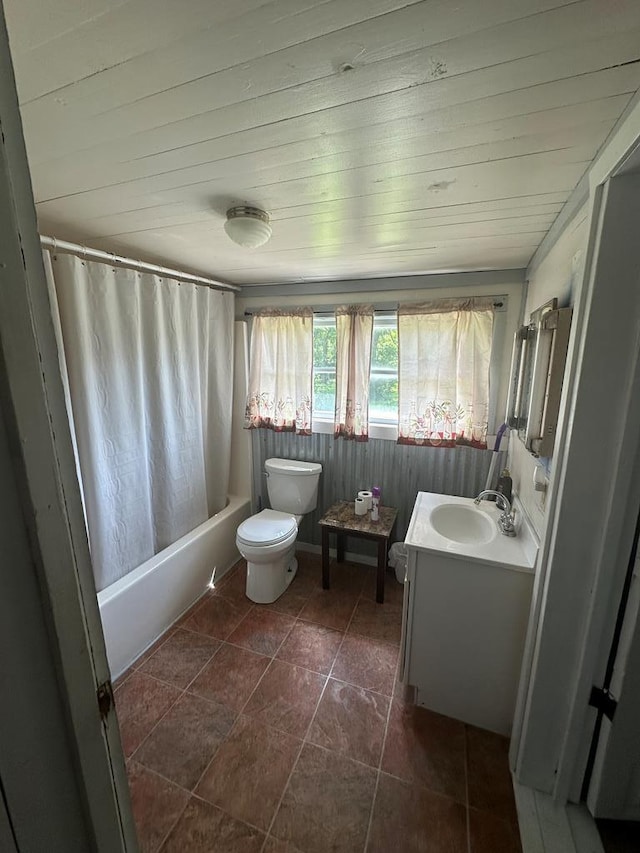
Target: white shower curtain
149 364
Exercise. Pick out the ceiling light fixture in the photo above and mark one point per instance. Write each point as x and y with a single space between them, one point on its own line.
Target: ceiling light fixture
248 226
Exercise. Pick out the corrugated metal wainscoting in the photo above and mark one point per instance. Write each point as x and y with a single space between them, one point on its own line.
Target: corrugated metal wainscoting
401 472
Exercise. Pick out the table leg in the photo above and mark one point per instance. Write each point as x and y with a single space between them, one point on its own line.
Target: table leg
382 568
325 558
339 547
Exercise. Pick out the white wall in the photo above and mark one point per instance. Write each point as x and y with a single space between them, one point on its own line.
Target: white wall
554 275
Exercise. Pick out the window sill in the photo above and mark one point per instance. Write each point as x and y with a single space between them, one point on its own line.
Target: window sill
387 432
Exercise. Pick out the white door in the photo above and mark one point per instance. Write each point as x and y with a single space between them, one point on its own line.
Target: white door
614 789
70 793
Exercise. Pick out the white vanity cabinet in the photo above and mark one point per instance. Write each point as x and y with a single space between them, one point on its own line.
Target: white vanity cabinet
466 610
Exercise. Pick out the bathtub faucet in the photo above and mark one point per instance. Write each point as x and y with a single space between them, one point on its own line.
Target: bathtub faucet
506 521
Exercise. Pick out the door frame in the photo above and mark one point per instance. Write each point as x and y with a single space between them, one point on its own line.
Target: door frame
611 783
589 526
33 409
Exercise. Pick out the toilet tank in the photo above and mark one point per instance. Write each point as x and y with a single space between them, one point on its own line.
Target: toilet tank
292 485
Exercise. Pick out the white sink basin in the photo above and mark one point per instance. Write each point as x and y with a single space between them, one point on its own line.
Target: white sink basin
456 527
464 524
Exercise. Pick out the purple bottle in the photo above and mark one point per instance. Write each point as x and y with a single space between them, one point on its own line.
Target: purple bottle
375 503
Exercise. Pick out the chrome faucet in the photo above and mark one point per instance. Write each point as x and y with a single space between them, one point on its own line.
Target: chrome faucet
506 521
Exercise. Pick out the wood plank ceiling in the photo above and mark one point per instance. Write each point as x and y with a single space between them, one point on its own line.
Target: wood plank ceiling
385 137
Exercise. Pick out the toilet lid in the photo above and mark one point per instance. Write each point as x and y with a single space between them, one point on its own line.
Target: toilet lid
267 528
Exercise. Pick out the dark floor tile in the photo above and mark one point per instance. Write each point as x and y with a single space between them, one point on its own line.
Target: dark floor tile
217 617
309 573
188 613
204 828
262 631
249 772
233 585
411 819
230 676
326 607
181 657
404 693
426 748
306 581
153 648
488 834
310 564
349 578
393 591
237 571
184 741
156 804
286 698
311 646
140 703
290 602
490 785
351 721
378 621
327 803
274 845
120 680
367 663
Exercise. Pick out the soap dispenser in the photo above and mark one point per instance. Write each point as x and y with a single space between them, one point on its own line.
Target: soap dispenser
505 484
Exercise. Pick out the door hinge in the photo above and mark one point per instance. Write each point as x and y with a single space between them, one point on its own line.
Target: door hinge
602 699
104 695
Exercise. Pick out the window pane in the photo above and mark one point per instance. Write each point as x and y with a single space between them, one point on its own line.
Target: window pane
384 354
383 385
324 393
324 365
383 400
324 345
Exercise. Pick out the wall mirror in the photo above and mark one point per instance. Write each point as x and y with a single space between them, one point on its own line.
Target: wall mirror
537 372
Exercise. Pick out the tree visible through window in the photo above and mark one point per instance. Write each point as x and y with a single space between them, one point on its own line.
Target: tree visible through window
383 390
324 365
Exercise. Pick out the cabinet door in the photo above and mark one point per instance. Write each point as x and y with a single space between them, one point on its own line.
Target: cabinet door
407 616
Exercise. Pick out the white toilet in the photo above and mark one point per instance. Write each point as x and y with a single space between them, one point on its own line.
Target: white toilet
267 540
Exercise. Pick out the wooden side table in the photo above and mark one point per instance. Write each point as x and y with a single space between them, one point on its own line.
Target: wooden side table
342 520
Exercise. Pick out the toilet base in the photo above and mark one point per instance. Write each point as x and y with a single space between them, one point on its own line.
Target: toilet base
266 582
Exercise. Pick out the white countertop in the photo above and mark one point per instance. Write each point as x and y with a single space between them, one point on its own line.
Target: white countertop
516 552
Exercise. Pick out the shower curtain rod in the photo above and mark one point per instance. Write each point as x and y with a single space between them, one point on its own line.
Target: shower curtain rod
110 258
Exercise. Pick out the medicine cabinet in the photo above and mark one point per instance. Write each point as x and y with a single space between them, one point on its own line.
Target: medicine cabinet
537 372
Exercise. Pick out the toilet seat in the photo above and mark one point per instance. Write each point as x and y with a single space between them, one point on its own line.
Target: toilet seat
268 527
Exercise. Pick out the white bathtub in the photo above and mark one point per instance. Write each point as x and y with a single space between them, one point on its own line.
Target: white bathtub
139 607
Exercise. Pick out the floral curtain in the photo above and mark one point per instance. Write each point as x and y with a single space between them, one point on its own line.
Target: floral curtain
354 328
280 371
443 385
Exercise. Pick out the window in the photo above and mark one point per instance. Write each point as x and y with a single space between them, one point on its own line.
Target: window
383 386
383 401
324 367
384 381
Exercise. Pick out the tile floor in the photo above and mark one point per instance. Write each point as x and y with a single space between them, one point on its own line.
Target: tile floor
282 729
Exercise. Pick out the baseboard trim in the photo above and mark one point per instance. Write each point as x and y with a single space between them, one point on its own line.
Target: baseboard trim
548 827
